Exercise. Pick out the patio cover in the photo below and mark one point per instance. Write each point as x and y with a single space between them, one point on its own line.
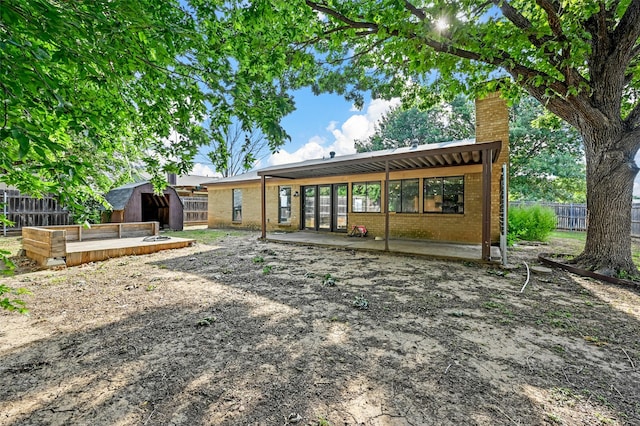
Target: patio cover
438 155
456 153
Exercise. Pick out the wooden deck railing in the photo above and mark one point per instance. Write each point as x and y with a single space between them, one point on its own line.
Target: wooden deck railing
104 231
50 242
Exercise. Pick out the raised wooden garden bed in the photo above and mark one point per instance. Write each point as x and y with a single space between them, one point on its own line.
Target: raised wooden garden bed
73 245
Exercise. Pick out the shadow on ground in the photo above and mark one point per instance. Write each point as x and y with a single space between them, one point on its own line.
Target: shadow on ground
267 339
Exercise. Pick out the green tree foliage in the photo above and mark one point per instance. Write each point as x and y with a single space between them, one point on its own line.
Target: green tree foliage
440 123
580 59
90 89
546 156
93 90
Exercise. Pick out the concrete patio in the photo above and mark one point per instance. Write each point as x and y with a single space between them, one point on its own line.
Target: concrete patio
434 249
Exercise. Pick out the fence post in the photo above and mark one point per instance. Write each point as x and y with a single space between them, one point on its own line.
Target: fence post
4 213
571 216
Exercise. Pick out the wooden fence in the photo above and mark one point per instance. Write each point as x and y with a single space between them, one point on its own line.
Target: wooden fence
24 210
195 210
573 217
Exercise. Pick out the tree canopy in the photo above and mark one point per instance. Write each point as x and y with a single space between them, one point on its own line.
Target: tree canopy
239 150
92 90
580 59
120 77
441 123
546 155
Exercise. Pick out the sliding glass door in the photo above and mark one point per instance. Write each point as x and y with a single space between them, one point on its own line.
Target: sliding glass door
340 203
324 207
309 211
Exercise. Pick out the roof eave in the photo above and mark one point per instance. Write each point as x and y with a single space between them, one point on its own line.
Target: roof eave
333 164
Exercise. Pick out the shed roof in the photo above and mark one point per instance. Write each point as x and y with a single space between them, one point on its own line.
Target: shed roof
118 197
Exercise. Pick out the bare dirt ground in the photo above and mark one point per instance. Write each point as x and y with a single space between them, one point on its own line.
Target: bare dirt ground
247 332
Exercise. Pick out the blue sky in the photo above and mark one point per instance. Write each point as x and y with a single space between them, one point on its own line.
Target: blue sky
325 123
319 125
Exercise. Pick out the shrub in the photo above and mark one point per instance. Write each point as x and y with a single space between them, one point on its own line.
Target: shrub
530 223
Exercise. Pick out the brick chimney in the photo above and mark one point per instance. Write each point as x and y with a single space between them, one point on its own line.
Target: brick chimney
492 124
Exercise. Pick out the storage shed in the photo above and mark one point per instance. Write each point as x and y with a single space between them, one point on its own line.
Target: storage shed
137 202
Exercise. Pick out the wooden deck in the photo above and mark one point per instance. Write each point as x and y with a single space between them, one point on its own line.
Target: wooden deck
80 252
72 245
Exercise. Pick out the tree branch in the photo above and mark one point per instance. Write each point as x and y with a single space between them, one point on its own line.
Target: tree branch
627 31
513 15
500 59
418 13
340 17
629 141
571 75
633 119
552 17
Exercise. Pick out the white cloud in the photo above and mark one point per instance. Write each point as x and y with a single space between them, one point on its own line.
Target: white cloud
357 127
310 150
200 169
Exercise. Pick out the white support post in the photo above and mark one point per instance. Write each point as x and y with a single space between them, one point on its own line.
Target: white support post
505 216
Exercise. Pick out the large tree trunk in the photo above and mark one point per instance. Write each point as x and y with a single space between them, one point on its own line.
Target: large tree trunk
610 176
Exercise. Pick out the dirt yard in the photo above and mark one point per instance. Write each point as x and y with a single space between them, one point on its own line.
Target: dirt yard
245 332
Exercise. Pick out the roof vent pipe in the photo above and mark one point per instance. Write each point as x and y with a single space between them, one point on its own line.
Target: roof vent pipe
414 143
332 154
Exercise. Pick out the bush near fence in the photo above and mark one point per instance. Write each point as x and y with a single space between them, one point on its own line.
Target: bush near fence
573 217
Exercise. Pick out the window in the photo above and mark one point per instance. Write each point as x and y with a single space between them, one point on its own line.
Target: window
444 195
237 205
284 205
403 195
365 197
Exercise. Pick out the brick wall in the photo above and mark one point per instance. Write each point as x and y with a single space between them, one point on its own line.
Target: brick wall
492 124
466 227
221 207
